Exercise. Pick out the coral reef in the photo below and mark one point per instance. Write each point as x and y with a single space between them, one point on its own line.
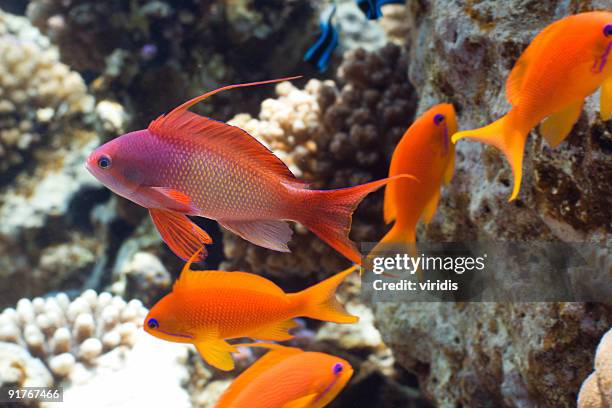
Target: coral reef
39 95
69 336
518 354
596 391
331 138
141 49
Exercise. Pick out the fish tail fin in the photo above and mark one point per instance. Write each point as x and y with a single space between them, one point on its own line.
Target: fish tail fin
508 138
329 214
399 239
319 301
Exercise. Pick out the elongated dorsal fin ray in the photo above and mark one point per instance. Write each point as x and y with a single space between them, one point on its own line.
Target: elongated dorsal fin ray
186 105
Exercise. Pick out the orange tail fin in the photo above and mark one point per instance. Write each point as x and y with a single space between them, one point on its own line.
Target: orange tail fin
329 214
398 240
319 301
507 137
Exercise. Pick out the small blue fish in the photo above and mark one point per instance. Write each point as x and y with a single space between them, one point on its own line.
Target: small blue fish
320 53
371 8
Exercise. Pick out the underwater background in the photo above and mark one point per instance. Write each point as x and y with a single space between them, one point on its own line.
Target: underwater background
79 265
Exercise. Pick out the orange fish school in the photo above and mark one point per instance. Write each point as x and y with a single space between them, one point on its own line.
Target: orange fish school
207 308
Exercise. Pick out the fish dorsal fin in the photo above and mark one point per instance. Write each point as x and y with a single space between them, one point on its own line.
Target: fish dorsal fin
215 135
190 280
277 354
515 81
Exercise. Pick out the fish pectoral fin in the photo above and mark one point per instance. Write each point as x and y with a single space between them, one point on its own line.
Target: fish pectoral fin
216 352
175 198
430 209
181 234
605 99
271 234
557 126
278 331
303 402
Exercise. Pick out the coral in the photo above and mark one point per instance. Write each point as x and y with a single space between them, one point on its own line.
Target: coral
38 94
143 277
142 49
18 368
395 22
69 336
524 354
596 391
331 138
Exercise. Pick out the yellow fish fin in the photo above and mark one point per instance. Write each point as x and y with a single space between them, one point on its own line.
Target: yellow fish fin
215 279
216 352
278 331
557 126
304 402
605 99
430 209
505 136
319 301
278 354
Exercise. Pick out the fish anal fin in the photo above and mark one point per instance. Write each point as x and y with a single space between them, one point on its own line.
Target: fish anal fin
190 280
605 99
430 209
217 353
271 234
181 234
275 332
557 126
303 402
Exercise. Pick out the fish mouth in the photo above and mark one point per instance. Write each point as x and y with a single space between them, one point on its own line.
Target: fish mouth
600 62
181 335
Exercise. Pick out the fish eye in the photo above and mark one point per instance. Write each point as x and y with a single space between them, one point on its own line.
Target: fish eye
439 118
153 324
104 162
337 369
608 30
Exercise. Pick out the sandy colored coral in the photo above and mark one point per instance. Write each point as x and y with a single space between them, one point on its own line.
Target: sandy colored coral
38 93
332 137
69 336
596 391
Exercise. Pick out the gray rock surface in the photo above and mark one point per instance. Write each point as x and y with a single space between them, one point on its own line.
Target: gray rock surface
486 354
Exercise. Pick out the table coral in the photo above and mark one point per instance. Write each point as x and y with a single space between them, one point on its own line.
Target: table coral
332 137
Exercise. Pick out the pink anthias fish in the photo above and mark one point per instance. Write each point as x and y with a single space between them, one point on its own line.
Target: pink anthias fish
186 164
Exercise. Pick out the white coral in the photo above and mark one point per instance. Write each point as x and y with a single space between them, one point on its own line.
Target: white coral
65 333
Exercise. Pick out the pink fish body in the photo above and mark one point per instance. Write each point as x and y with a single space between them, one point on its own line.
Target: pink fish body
187 164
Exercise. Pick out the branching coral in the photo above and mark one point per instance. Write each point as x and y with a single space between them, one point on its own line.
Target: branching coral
596 391
70 335
331 138
38 94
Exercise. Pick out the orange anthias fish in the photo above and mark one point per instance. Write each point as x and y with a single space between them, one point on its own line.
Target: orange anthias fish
288 377
426 152
564 64
186 164
207 307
